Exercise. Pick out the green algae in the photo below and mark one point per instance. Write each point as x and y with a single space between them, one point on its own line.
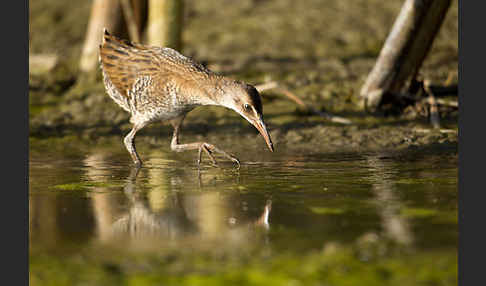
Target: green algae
83 186
341 267
437 216
418 212
327 210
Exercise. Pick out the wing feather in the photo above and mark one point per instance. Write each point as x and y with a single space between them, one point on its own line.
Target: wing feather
123 62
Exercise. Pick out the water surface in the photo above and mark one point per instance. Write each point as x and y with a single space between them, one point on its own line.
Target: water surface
86 196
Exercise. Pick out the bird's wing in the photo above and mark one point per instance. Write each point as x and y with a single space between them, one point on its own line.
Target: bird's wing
124 62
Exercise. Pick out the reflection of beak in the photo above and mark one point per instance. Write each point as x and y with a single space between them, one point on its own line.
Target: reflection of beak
263 130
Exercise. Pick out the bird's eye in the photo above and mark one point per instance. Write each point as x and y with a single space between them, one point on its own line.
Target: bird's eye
246 106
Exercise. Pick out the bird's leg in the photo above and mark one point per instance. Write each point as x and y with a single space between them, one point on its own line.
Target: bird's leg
200 146
130 144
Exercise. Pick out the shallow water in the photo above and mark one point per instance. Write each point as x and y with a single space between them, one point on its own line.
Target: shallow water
87 195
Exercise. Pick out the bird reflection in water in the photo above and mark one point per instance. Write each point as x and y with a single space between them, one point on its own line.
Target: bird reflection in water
181 216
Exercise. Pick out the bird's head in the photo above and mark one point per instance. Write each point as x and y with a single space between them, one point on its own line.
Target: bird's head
245 100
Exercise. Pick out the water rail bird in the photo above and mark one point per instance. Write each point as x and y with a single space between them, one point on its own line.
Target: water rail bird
156 83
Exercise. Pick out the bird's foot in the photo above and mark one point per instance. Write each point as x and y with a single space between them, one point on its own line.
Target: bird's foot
210 149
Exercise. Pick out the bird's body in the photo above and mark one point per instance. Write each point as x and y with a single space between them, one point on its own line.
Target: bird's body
156 84
151 83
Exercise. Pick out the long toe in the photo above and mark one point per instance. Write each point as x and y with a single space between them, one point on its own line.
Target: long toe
234 159
230 157
211 149
207 149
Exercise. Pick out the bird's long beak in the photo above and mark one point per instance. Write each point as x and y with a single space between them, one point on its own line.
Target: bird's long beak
260 125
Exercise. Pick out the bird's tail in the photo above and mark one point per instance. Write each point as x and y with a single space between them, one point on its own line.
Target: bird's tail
113 48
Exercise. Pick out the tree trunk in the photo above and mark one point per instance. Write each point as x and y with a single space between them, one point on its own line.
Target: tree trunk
140 13
130 20
164 27
404 50
104 13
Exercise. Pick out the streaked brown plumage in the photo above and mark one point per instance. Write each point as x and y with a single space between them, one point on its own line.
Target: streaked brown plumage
154 83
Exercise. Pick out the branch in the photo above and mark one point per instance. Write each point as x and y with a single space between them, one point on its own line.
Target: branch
447 103
274 85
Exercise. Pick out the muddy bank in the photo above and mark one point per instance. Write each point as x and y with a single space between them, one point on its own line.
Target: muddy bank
302 138
96 116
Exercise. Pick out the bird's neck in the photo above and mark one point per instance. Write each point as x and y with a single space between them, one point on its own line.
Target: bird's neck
212 92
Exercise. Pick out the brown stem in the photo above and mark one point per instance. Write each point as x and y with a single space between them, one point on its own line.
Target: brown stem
274 85
130 20
434 113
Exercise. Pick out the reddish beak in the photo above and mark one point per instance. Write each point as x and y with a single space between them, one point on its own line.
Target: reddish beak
263 130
